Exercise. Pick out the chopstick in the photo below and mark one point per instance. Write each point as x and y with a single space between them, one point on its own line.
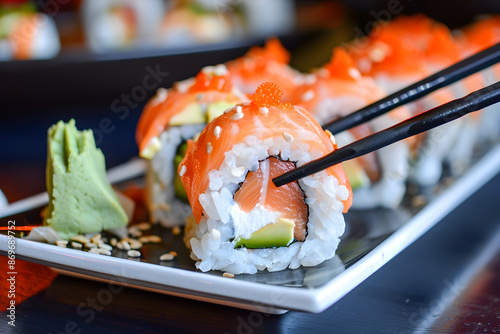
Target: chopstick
449 75
425 121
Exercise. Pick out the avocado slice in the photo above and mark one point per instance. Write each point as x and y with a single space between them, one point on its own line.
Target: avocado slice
81 199
279 234
179 190
192 114
216 109
355 174
153 147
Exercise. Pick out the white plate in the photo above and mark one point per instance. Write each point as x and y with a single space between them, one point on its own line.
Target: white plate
386 233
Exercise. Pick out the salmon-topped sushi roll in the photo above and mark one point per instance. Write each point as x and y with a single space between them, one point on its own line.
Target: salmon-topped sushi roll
378 178
472 39
241 221
395 63
169 119
442 51
261 64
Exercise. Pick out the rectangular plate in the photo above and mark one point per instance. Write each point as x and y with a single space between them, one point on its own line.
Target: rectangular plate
372 238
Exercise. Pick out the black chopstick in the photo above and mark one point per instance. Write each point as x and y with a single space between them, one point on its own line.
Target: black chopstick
412 126
413 92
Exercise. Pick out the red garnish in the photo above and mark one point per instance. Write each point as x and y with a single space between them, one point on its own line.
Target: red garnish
267 94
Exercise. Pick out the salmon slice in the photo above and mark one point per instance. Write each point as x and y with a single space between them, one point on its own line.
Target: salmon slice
206 88
261 64
265 117
288 200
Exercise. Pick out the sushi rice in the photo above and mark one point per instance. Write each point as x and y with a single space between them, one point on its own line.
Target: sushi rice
163 204
211 239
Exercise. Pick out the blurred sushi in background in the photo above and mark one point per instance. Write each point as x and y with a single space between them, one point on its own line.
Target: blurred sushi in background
192 22
169 120
117 24
262 64
394 56
473 38
378 179
25 33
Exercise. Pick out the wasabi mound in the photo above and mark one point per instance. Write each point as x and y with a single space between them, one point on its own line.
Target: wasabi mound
81 199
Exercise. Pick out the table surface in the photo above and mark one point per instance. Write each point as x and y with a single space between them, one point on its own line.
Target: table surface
435 285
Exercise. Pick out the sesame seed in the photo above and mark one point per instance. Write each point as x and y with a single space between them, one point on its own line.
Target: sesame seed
239 109
123 245
62 243
81 239
288 137
113 242
237 116
100 251
90 245
377 55
208 69
96 238
228 275
217 131
209 148
150 239
174 253
183 86
76 245
144 226
176 230
264 110
160 97
353 72
134 243
133 253
105 246
238 171
309 95
220 70
167 257
183 171
134 231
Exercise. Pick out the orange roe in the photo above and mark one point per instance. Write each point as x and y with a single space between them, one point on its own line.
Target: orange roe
267 94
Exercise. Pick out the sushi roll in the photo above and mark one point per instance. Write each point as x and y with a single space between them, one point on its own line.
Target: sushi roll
440 52
395 62
472 39
195 22
26 34
241 221
378 179
268 63
117 24
169 119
